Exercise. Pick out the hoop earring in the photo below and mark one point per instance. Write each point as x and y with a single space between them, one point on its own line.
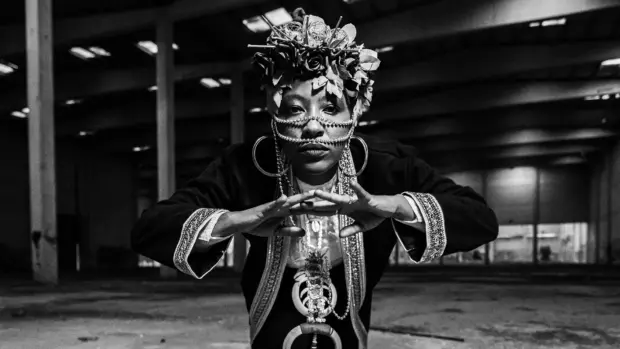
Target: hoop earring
258 167
365 146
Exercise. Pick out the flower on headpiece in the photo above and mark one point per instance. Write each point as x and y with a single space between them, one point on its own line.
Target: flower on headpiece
313 61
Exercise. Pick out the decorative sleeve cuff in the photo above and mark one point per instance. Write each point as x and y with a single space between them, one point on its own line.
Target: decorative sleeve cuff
199 224
428 209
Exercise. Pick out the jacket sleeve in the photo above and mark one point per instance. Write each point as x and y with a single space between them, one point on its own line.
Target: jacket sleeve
169 231
455 218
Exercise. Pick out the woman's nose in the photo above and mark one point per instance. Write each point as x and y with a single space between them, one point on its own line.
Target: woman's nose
313 129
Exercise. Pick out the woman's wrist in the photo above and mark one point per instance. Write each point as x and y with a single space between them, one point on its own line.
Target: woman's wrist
403 212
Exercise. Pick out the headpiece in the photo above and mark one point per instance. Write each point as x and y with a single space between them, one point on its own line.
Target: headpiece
307 48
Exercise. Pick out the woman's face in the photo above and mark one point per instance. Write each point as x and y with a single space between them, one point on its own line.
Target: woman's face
307 158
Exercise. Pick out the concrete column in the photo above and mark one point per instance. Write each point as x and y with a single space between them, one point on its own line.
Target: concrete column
487 247
237 135
610 185
536 217
165 117
43 227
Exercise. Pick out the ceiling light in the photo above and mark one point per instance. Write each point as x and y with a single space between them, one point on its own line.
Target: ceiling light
385 49
350 1
26 110
610 62
153 88
19 114
72 101
367 123
82 53
553 22
225 81
99 51
142 148
85 133
592 98
256 110
279 16
256 24
605 97
209 83
534 24
7 68
151 48
603 121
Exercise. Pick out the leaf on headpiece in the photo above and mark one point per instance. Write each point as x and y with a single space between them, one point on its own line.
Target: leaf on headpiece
369 60
319 82
334 89
276 78
277 98
351 32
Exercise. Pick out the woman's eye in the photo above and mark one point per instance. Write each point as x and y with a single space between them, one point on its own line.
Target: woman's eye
296 110
331 109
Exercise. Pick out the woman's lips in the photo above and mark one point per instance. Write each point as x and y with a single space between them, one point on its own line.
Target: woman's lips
313 150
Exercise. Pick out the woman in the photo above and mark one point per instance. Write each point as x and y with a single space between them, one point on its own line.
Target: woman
323 220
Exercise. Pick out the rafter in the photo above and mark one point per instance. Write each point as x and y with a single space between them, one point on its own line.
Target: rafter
446 18
76 29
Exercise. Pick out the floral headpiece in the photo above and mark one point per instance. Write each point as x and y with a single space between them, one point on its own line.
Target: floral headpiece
307 48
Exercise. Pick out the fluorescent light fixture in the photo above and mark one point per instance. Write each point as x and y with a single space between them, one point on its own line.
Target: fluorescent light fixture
611 62
256 24
26 110
592 98
385 49
553 22
605 97
225 81
148 46
85 133
256 110
19 114
153 88
534 24
72 101
99 51
209 83
142 148
350 1
151 48
7 68
279 16
82 53
367 123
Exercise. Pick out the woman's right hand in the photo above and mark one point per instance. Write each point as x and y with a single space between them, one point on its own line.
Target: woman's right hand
262 220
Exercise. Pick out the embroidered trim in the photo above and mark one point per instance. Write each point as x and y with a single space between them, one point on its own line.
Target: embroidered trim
265 297
190 232
435 225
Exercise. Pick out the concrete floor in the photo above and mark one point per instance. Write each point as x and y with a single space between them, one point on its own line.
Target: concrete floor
462 312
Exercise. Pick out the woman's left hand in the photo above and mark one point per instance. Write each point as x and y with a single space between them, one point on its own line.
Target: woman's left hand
366 209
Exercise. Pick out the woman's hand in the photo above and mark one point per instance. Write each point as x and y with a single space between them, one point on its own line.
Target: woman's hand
366 209
262 220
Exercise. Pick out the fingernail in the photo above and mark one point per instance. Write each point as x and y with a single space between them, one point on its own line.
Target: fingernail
312 192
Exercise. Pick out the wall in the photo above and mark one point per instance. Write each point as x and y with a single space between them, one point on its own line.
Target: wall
605 207
555 200
96 203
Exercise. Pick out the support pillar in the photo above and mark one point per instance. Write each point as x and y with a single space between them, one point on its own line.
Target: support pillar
165 117
610 185
237 135
42 166
487 247
536 217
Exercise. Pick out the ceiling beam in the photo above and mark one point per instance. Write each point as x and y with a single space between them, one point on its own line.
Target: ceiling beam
71 30
447 18
488 96
484 63
458 100
473 65
513 138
